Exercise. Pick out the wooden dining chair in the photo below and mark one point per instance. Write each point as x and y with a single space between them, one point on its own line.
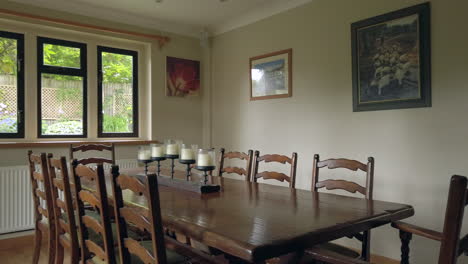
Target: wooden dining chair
44 217
161 249
101 225
291 179
66 228
245 172
93 147
320 252
451 246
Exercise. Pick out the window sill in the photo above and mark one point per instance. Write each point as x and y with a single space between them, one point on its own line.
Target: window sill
66 143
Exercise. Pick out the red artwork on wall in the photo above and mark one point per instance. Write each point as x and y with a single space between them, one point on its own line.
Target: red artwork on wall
182 77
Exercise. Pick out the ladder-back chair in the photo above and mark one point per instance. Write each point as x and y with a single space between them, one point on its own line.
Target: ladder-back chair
100 225
451 246
320 251
44 217
64 209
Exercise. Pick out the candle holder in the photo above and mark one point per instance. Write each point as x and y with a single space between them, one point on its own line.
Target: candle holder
146 162
205 170
189 166
172 158
158 167
187 157
144 156
172 153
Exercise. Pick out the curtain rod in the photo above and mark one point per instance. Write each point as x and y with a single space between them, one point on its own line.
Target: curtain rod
161 39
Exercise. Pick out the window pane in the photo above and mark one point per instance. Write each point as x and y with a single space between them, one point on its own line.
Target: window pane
61 105
117 93
62 56
8 86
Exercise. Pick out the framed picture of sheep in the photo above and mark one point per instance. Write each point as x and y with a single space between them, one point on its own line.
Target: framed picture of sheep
392 60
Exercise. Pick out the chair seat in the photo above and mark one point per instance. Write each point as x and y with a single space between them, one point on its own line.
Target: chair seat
322 249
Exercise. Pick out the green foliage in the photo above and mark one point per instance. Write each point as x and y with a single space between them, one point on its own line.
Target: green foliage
116 124
8 55
56 55
63 128
117 68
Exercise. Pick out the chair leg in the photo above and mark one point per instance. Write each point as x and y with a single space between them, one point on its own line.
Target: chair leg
37 245
52 247
405 238
365 252
59 252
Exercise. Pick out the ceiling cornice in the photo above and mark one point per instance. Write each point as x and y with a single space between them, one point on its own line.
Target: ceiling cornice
255 15
113 15
117 16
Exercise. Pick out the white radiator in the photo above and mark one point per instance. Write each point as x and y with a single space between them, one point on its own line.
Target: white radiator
16 203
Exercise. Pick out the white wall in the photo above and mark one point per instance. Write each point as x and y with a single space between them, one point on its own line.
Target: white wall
416 150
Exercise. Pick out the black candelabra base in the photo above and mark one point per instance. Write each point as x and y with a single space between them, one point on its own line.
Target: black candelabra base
158 160
172 158
146 162
189 167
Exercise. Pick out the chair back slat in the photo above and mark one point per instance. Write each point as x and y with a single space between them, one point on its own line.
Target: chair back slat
348 186
88 161
236 170
449 249
90 198
275 175
266 175
138 250
342 163
133 184
38 176
89 147
86 172
149 220
97 198
275 158
136 217
247 157
93 147
96 250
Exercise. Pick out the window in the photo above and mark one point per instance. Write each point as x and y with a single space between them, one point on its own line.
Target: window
117 92
62 80
11 85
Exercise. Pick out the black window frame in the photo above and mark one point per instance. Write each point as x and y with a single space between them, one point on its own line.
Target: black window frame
61 70
134 54
19 84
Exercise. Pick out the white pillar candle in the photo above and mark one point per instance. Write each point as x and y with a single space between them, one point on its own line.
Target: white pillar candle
172 149
157 151
204 159
144 154
187 154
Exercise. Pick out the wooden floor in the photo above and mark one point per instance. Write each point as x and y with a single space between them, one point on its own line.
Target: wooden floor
19 250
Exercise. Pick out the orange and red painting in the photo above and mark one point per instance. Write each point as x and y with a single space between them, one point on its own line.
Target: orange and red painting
182 77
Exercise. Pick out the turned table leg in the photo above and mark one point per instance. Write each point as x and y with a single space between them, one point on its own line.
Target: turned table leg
405 238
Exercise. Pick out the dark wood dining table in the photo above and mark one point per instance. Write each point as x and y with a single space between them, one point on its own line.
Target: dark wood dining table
259 221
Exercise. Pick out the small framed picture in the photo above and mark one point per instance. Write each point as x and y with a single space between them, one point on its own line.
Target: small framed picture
182 77
271 75
392 60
